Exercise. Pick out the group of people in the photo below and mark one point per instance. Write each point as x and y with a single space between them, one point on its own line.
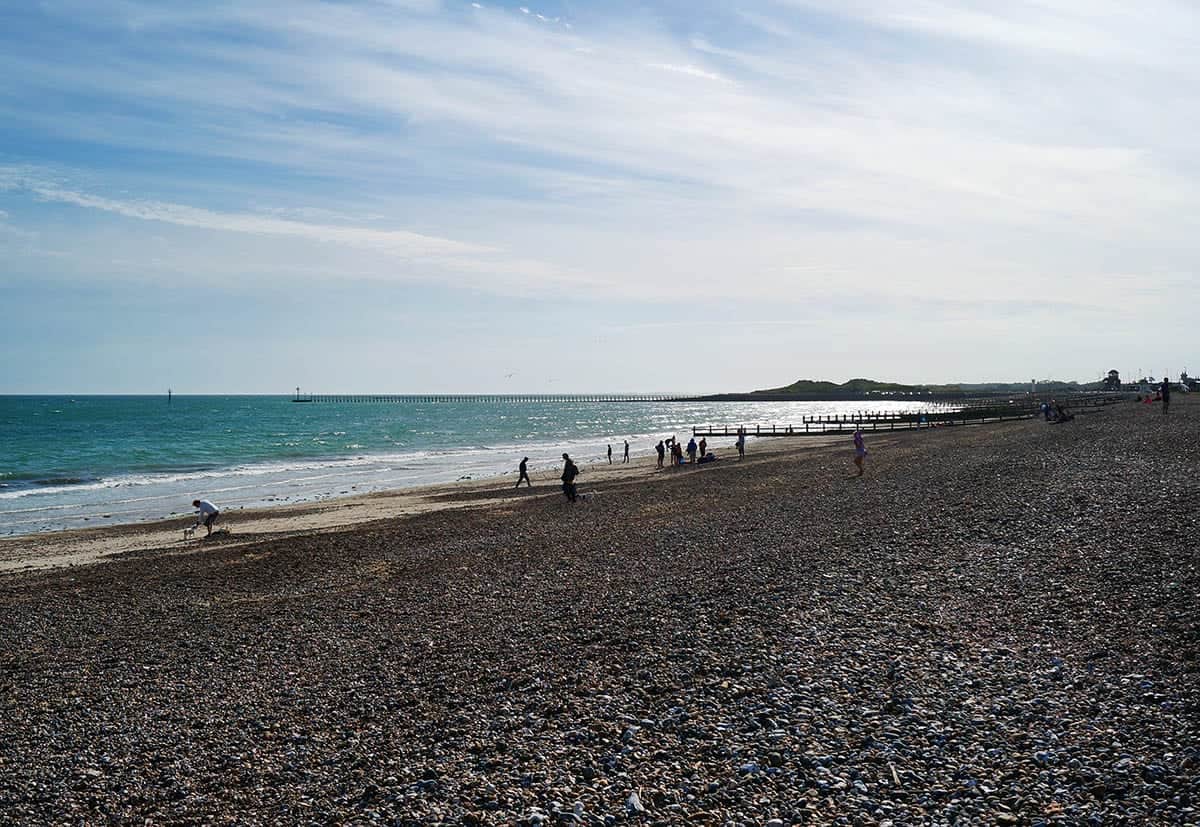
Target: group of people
676 449
569 473
1053 411
696 452
1163 395
625 459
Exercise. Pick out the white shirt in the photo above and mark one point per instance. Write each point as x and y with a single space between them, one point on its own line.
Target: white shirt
206 508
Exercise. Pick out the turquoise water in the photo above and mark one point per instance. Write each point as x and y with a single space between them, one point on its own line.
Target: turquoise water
79 461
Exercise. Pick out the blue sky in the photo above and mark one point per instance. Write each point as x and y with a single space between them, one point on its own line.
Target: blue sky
425 195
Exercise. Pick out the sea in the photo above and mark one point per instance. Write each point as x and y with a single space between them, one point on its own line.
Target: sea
84 461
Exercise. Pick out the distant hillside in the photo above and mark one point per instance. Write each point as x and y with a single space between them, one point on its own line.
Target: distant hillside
812 387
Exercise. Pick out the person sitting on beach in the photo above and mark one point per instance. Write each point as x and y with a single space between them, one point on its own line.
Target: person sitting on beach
860 449
570 472
206 515
709 457
524 473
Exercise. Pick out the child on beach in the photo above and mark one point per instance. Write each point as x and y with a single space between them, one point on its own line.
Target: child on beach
860 449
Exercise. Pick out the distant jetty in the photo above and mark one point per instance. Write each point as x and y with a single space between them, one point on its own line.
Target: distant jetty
487 398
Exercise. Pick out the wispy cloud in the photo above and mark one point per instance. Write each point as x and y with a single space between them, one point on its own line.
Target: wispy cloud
789 148
694 71
396 241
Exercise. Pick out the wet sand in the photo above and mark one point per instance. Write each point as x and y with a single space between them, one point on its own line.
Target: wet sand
241 526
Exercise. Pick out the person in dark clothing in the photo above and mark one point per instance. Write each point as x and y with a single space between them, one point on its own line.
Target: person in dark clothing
524 473
570 472
1166 394
626 457
610 454
661 448
703 447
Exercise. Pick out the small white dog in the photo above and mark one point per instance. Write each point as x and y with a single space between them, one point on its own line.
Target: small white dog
189 532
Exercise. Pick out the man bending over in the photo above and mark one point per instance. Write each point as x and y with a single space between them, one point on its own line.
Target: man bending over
206 515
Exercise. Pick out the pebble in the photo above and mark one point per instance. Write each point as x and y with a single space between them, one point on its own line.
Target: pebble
963 635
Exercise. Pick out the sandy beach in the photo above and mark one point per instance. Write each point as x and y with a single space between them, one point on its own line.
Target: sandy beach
251 525
995 625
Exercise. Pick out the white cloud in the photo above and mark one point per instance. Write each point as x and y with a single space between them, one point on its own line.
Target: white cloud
397 241
1048 153
689 70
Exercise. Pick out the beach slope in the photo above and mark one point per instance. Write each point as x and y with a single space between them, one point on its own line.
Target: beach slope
993 625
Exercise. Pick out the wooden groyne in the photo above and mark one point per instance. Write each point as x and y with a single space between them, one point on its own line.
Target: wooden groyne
964 412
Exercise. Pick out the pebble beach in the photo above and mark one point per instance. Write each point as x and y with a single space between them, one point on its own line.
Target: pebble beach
995 625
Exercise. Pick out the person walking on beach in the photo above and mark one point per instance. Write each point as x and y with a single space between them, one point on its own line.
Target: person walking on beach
570 472
524 473
625 459
610 454
661 448
206 515
860 449
1166 394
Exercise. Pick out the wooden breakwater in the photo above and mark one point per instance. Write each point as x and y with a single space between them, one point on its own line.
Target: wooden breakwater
963 412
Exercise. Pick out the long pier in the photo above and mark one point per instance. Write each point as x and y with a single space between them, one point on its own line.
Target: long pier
426 399
965 412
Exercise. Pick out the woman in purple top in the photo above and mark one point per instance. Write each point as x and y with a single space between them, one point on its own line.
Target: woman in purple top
860 449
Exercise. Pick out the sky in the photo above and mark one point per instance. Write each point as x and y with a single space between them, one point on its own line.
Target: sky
411 196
